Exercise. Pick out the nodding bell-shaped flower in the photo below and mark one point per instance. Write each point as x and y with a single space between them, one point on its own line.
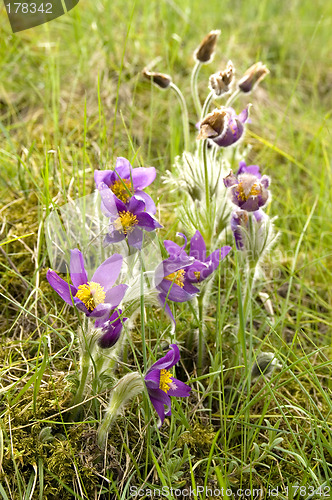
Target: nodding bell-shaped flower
162 80
161 385
223 126
205 51
220 82
251 78
249 191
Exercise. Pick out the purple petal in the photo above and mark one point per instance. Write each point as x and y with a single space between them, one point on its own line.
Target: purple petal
189 288
123 168
150 206
214 260
230 180
110 338
248 169
152 379
197 247
136 204
113 237
170 359
99 311
104 176
173 248
174 292
232 134
159 399
147 222
143 177
135 238
244 115
61 286
178 389
110 202
115 295
265 181
107 273
78 274
259 215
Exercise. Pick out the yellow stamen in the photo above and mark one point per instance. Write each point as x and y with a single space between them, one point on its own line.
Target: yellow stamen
165 380
125 222
177 277
197 275
91 294
244 194
121 188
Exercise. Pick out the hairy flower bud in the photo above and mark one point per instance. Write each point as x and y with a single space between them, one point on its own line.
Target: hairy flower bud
264 365
129 386
252 77
162 80
220 82
204 53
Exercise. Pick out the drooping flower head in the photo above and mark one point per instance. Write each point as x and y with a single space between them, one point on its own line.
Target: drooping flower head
125 181
95 297
111 329
161 384
252 77
248 189
223 126
162 80
128 221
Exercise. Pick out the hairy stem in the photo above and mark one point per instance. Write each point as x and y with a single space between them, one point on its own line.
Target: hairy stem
184 112
194 89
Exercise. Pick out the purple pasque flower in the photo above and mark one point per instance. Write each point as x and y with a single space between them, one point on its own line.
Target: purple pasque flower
127 221
223 126
161 385
240 225
95 297
111 329
172 282
202 265
125 181
248 189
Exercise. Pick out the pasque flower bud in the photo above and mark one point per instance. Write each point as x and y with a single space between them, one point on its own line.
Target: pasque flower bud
162 80
128 387
252 77
204 53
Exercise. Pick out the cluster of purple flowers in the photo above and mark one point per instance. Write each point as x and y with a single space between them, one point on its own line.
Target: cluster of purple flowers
131 211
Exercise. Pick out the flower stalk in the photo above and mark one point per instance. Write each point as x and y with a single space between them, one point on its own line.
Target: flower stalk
194 88
184 113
